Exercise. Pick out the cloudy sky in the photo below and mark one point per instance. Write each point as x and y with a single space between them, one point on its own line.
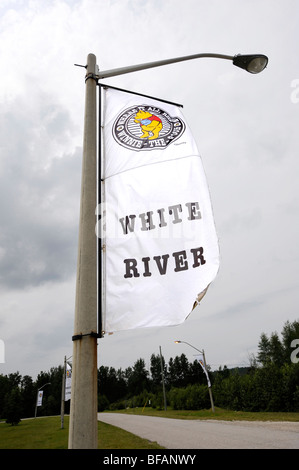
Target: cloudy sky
246 128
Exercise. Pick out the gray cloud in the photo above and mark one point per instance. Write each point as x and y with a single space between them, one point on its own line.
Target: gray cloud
39 201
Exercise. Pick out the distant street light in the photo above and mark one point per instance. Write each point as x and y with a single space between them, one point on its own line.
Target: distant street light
63 392
205 369
49 383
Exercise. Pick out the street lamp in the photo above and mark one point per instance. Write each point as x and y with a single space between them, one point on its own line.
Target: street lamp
205 370
83 414
252 63
49 383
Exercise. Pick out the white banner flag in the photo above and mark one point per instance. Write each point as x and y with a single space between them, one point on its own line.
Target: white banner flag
201 361
68 382
160 249
40 398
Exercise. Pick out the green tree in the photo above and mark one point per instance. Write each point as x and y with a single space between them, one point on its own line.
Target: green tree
156 372
289 333
178 371
112 383
138 379
263 349
4 390
270 350
13 407
276 350
28 393
192 397
196 374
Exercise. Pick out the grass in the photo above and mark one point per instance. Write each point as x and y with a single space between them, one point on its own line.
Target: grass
46 433
111 437
220 414
39 433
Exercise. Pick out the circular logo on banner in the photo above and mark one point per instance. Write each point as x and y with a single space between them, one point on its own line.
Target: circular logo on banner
146 128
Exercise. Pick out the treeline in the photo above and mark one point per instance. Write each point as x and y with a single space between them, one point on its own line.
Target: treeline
18 395
269 383
272 381
121 388
136 386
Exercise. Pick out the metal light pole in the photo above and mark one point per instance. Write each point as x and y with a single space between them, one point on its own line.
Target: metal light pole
205 365
163 380
83 413
63 392
83 428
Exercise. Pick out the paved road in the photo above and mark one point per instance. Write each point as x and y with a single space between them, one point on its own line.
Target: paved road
208 434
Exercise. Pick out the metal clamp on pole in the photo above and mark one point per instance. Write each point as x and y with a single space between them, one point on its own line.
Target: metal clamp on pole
93 76
92 334
75 337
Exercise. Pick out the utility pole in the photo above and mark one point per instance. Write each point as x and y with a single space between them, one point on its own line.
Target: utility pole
163 380
83 428
63 395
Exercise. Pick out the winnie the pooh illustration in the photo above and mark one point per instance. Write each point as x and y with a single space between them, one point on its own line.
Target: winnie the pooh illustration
150 124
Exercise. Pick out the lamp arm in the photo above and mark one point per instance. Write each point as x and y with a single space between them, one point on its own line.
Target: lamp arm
136 68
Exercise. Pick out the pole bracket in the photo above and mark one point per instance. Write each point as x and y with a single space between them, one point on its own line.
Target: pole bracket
92 334
93 76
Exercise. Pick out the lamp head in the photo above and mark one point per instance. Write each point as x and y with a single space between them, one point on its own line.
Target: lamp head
253 63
